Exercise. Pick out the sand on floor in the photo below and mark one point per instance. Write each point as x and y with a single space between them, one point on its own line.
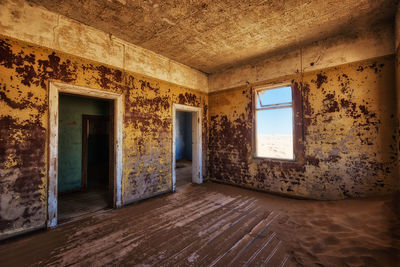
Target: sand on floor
275 146
183 172
352 232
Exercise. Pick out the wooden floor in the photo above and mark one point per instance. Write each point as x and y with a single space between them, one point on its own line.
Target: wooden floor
77 204
202 225
183 172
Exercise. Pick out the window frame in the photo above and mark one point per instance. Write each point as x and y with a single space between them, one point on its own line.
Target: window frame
292 106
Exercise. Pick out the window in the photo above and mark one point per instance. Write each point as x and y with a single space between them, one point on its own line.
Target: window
274 123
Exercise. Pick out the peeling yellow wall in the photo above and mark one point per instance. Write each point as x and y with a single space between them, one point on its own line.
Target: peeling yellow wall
371 42
347 139
26 21
348 146
397 69
25 72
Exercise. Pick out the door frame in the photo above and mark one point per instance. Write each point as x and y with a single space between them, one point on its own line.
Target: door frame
55 89
197 155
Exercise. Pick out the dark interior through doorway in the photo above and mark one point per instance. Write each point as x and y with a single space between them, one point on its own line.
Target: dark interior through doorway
183 149
85 180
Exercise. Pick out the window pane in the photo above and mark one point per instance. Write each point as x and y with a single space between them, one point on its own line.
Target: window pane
275 96
275 133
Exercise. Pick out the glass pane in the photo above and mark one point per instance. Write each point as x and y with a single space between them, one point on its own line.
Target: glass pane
275 133
275 96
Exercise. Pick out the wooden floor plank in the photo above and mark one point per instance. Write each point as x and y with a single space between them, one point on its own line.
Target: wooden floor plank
200 225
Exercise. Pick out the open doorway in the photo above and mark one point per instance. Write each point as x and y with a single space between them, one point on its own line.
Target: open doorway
84 145
186 145
92 161
183 148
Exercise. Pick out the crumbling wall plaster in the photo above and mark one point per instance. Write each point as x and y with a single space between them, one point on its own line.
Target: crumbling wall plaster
397 27
210 35
348 143
32 23
397 69
373 42
25 72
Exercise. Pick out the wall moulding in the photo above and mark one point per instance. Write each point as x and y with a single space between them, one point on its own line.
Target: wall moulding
34 24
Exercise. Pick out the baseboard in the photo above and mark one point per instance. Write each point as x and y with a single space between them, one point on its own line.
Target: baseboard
18 232
137 200
214 180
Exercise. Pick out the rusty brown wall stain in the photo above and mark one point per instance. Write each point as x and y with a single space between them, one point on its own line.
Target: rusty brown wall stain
25 72
397 68
348 144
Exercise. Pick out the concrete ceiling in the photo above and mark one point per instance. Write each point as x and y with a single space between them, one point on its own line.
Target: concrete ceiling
211 35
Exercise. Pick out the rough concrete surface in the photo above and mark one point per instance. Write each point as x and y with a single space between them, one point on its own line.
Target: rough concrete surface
32 23
210 35
345 135
346 131
25 72
372 42
397 69
397 28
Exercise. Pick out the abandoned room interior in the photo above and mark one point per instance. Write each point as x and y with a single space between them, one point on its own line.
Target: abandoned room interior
200 133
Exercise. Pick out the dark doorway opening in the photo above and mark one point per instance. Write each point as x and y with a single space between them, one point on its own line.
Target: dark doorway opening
85 174
95 152
183 150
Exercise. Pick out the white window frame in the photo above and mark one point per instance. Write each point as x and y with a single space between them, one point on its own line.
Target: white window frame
269 107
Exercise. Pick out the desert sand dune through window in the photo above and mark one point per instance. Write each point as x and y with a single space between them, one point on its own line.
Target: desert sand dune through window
274 123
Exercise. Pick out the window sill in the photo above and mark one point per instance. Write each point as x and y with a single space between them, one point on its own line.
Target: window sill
273 159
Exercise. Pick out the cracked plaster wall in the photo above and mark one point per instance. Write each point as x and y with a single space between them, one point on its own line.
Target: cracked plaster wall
31 23
347 146
25 72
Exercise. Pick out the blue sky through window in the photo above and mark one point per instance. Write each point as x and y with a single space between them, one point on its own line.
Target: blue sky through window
275 121
275 96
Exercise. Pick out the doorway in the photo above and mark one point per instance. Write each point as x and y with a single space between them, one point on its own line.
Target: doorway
96 146
183 148
186 145
85 151
84 161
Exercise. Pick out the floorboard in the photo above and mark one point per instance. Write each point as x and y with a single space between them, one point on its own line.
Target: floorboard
216 225
183 172
77 204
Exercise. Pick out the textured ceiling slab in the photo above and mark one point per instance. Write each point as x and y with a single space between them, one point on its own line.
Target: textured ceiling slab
211 35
